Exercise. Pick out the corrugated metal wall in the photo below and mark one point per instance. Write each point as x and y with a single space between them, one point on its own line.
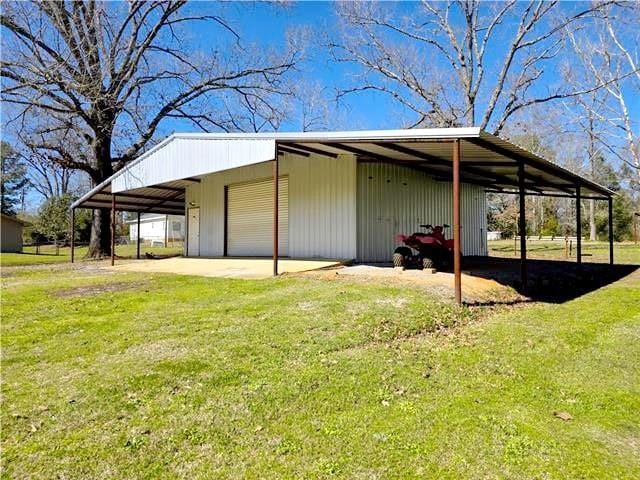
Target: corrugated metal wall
322 205
395 199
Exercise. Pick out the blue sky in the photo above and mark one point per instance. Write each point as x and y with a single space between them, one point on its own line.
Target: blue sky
267 25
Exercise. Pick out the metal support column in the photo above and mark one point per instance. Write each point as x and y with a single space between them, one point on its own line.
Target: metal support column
522 225
73 233
166 231
456 222
578 227
275 212
138 238
113 229
610 201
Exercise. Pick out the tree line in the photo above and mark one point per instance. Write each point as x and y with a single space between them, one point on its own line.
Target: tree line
88 86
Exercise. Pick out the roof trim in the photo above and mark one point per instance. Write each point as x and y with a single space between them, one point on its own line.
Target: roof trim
474 135
14 219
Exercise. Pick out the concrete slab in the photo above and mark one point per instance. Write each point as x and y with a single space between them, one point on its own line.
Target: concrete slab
221 267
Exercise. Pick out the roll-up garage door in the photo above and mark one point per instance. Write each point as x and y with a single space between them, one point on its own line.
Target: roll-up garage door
250 218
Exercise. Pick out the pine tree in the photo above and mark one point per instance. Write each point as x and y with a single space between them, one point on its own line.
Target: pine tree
14 179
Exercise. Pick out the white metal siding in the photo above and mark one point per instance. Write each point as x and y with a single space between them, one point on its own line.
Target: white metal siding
393 199
191 157
322 205
250 218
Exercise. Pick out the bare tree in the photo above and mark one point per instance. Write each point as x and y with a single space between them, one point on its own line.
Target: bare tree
92 82
458 63
48 177
606 58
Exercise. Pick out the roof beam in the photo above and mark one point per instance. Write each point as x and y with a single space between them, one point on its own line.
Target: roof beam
317 151
284 149
412 152
439 174
545 183
483 163
163 187
131 207
412 163
495 177
168 199
539 164
133 195
549 194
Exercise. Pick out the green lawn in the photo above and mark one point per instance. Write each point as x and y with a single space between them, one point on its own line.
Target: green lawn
156 376
625 252
48 254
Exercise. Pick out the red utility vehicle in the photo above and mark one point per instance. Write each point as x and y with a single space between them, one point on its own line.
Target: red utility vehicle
433 249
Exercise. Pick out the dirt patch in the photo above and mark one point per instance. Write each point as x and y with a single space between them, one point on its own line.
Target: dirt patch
89 290
476 290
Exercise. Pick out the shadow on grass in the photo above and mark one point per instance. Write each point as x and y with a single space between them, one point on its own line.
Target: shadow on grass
552 281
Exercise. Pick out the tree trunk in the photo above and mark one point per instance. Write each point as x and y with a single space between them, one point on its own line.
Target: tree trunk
592 169
100 243
592 220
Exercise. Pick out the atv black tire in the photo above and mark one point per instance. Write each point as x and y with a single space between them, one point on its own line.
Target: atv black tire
400 256
398 260
427 262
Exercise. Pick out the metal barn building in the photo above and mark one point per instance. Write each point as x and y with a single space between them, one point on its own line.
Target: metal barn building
340 195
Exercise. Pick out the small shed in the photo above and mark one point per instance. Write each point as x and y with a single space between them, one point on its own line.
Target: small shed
11 234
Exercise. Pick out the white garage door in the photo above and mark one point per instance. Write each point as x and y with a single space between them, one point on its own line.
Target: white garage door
250 218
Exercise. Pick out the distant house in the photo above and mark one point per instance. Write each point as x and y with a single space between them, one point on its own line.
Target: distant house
496 235
153 228
11 234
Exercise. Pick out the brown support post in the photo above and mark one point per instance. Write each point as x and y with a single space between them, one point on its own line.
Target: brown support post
225 247
138 239
166 230
578 228
522 225
456 222
275 213
611 230
73 233
113 229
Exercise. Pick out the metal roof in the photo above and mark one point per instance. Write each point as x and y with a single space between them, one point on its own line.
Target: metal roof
167 198
155 182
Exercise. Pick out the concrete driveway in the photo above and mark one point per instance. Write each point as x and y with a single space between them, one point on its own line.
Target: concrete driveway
221 267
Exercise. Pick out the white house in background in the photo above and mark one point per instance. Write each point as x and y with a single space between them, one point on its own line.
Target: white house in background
496 235
153 228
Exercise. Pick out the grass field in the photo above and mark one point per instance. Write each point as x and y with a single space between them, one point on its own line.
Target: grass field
110 375
48 254
624 252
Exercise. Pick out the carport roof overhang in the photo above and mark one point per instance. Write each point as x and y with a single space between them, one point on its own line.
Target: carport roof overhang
486 160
